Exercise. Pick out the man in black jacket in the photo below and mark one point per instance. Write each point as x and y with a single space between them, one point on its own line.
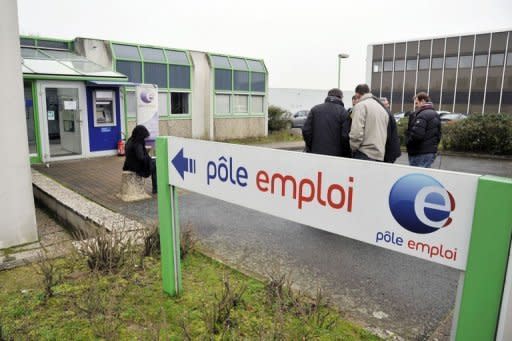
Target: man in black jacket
327 127
423 133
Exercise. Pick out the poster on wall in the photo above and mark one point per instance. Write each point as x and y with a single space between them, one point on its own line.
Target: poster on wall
147 109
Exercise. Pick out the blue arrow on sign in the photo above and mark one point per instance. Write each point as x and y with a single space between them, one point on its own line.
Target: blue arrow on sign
183 164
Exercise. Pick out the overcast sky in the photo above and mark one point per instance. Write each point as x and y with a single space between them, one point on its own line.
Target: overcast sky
299 40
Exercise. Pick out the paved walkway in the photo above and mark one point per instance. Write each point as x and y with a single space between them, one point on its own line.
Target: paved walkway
381 288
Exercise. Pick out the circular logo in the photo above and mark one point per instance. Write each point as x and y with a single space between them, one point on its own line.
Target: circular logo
146 97
420 204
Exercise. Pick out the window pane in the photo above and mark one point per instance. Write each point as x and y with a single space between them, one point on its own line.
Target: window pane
424 63
411 65
177 57
509 58
133 70
437 63
222 104
53 44
451 63
179 76
241 80
257 104
125 51
388 65
481 60
465 62
162 103
377 66
241 103
33 53
27 42
222 79
497 59
155 74
256 65
258 82
399 65
131 104
29 115
238 63
179 103
153 55
220 61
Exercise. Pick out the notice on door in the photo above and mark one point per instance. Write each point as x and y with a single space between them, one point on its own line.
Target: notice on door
69 105
51 115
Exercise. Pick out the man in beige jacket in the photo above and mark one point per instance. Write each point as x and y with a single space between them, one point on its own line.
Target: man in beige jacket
369 129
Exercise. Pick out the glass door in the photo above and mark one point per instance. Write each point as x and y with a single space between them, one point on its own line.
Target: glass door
63 118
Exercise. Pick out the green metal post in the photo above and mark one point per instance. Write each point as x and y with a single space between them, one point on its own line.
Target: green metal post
168 222
487 260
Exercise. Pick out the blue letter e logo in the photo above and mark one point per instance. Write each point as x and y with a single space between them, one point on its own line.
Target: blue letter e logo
420 204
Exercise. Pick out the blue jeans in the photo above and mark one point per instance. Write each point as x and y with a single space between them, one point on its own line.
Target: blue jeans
422 160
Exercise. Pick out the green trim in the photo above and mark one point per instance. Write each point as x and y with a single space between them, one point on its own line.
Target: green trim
35 160
487 260
35 103
168 222
45 38
71 78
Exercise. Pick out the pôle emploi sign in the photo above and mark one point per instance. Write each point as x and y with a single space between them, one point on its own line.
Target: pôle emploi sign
420 212
463 221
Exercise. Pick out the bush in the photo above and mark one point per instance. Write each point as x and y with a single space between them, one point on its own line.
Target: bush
488 133
277 119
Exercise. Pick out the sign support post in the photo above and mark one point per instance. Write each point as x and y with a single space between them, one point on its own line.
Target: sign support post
487 260
168 222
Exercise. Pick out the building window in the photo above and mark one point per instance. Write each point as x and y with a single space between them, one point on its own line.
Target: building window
131 104
451 63
388 65
155 74
177 57
220 62
411 65
27 42
400 65
241 80
222 104
480 60
126 51
509 58
377 66
179 76
131 69
223 79
258 82
257 104
162 103
465 62
424 63
497 59
152 54
437 63
241 103
179 103
256 65
62 45
238 63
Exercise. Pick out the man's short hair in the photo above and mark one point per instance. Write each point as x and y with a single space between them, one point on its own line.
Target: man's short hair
354 97
335 93
362 89
422 96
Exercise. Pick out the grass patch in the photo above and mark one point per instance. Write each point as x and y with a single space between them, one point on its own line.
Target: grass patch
273 137
217 303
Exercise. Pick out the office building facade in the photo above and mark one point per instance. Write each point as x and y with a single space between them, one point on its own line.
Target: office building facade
466 73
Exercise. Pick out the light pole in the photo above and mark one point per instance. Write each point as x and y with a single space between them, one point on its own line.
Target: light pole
340 57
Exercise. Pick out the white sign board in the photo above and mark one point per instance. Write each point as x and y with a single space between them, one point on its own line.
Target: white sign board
147 108
70 105
420 212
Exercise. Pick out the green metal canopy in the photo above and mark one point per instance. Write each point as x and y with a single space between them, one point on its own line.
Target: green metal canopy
39 63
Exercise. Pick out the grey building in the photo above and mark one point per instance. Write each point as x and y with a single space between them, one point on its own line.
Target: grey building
468 73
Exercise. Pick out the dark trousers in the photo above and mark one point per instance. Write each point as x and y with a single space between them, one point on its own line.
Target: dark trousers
362 156
153 174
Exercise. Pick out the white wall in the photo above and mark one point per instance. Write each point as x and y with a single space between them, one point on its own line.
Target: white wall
17 212
201 92
294 100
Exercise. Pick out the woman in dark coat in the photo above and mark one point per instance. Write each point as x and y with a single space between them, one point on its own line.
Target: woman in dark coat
137 157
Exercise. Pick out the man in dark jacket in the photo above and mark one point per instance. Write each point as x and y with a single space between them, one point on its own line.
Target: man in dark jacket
423 133
327 127
137 157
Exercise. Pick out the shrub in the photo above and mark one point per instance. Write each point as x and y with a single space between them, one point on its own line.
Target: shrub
276 119
488 133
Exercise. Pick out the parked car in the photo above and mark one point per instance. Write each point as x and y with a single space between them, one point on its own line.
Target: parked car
299 118
452 117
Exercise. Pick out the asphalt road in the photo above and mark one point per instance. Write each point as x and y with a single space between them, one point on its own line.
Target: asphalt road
379 288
